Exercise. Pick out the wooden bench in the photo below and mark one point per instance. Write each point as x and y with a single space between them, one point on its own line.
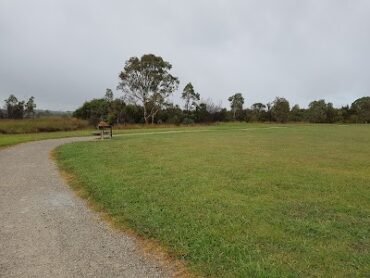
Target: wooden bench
104 130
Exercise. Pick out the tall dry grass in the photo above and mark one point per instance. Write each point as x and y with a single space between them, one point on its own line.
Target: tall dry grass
49 124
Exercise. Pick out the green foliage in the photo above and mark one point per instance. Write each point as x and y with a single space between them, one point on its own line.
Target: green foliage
132 114
93 111
172 114
332 114
109 95
253 202
321 112
257 112
148 81
30 107
14 107
17 109
236 104
361 107
297 114
280 110
317 111
190 97
116 111
201 113
188 121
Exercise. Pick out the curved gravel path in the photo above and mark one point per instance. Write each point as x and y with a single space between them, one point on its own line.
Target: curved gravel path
46 231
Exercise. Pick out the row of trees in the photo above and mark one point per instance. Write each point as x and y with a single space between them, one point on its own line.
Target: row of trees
18 109
147 84
318 111
117 111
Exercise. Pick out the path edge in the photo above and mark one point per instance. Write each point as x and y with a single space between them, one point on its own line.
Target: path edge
149 248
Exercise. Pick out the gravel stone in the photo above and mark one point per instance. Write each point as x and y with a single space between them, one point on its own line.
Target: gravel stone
47 231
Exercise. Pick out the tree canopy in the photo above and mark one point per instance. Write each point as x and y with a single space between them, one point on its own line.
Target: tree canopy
280 110
190 97
30 107
148 81
236 103
361 107
17 109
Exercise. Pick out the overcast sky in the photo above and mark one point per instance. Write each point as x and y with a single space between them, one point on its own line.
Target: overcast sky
64 52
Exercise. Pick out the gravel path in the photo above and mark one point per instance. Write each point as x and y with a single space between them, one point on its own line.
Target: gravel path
46 231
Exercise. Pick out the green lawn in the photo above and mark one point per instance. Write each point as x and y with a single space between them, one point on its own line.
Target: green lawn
260 202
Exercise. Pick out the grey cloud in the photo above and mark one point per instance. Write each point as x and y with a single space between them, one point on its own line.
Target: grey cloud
64 52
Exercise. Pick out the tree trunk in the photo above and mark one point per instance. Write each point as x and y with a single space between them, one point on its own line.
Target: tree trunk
145 115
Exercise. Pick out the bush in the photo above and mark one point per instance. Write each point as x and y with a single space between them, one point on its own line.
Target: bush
174 120
188 121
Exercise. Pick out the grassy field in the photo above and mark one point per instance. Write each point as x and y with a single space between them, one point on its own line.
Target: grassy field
239 200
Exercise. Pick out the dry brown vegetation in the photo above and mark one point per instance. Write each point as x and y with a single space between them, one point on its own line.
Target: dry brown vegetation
49 124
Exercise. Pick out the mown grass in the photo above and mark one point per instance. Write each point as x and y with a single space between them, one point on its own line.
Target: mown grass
49 124
269 202
291 202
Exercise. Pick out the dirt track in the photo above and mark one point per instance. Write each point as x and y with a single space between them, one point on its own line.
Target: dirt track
47 231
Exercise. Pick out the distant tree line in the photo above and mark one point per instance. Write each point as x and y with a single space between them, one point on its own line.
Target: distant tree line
147 84
18 109
117 111
318 111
